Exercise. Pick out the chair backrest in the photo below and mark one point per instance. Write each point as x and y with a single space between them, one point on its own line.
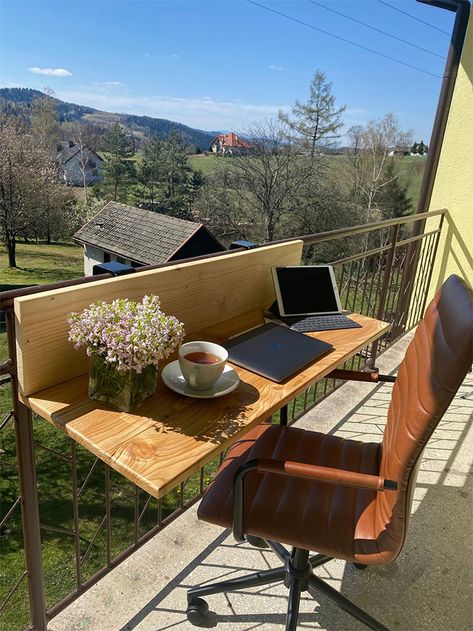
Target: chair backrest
436 362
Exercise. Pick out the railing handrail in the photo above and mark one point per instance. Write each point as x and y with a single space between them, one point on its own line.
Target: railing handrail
339 233
7 297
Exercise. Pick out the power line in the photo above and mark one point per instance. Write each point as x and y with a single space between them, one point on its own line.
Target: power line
413 17
343 39
374 28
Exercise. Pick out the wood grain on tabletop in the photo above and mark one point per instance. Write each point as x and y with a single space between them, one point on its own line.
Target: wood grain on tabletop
170 436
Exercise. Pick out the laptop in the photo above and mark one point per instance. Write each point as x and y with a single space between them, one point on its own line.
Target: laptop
308 300
274 351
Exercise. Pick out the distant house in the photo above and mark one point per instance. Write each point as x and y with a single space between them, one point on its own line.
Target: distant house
400 151
135 236
76 164
229 144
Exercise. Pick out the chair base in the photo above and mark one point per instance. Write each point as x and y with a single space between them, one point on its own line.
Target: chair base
298 576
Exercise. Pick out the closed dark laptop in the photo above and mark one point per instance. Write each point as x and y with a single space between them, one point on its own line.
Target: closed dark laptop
275 351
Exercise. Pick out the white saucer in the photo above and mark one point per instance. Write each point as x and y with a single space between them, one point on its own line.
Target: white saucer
226 383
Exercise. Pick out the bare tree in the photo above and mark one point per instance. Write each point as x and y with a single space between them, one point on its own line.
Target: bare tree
271 175
79 137
44 121
317 121
273 190
371 150
29 191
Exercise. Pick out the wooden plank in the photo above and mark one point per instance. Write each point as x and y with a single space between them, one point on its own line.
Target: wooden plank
198 293
169 436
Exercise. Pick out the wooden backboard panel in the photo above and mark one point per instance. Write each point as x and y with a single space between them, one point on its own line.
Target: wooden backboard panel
200 294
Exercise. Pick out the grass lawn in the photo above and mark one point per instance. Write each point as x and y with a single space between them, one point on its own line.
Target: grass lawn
40 263
414 167
206 164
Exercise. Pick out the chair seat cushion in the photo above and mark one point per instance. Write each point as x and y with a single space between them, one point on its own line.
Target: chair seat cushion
334 520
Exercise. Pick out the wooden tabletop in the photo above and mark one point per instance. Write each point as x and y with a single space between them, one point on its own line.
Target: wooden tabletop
170 436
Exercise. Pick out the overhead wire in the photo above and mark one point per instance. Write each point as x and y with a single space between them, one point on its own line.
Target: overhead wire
343 39
413 17
374 28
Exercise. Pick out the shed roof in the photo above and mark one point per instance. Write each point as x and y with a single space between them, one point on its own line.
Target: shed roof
136 234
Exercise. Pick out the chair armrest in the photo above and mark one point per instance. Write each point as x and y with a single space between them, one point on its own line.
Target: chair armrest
288 468
358 375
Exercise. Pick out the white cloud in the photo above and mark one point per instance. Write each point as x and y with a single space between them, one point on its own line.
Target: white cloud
147 55
275 67
355 111
175 56
51 72
203 113
108 84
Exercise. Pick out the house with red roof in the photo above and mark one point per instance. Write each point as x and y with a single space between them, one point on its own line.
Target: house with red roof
229 144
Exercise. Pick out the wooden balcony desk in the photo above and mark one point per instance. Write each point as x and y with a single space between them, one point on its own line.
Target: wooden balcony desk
170 436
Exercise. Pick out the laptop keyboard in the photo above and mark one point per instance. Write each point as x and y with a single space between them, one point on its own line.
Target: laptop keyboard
320 323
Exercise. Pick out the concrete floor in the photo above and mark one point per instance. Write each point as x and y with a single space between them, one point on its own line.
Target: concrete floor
429 587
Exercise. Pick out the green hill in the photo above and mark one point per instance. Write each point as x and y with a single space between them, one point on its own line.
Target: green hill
20 101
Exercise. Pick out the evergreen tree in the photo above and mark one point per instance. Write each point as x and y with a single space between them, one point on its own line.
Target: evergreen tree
414 148
167 183
149 175
421 148
175 177
317 121
119 168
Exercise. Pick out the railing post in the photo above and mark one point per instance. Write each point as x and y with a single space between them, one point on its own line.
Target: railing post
26 461
30 515
384 289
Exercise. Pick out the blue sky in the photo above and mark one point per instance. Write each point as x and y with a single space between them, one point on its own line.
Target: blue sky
221 64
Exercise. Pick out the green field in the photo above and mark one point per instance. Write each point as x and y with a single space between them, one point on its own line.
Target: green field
413 168
204 163
40 263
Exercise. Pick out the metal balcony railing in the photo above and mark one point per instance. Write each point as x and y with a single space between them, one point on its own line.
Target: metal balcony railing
75 520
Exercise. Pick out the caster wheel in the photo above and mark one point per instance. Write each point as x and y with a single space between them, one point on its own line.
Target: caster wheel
257 542
197 610
360 566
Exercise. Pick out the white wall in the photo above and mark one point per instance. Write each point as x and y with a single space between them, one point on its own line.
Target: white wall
94 256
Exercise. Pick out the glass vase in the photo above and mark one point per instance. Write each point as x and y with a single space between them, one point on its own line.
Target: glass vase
123 390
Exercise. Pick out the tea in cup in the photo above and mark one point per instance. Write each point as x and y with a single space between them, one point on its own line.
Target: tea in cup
202 363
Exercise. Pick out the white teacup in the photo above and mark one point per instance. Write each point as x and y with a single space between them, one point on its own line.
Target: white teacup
202 363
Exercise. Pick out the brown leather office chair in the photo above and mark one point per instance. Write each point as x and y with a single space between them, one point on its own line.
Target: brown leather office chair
342 498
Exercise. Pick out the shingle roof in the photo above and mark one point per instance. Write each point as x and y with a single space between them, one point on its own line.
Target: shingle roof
136 234
68 152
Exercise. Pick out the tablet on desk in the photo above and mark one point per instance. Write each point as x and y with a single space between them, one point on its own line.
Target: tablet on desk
308 300
306 290
274 351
